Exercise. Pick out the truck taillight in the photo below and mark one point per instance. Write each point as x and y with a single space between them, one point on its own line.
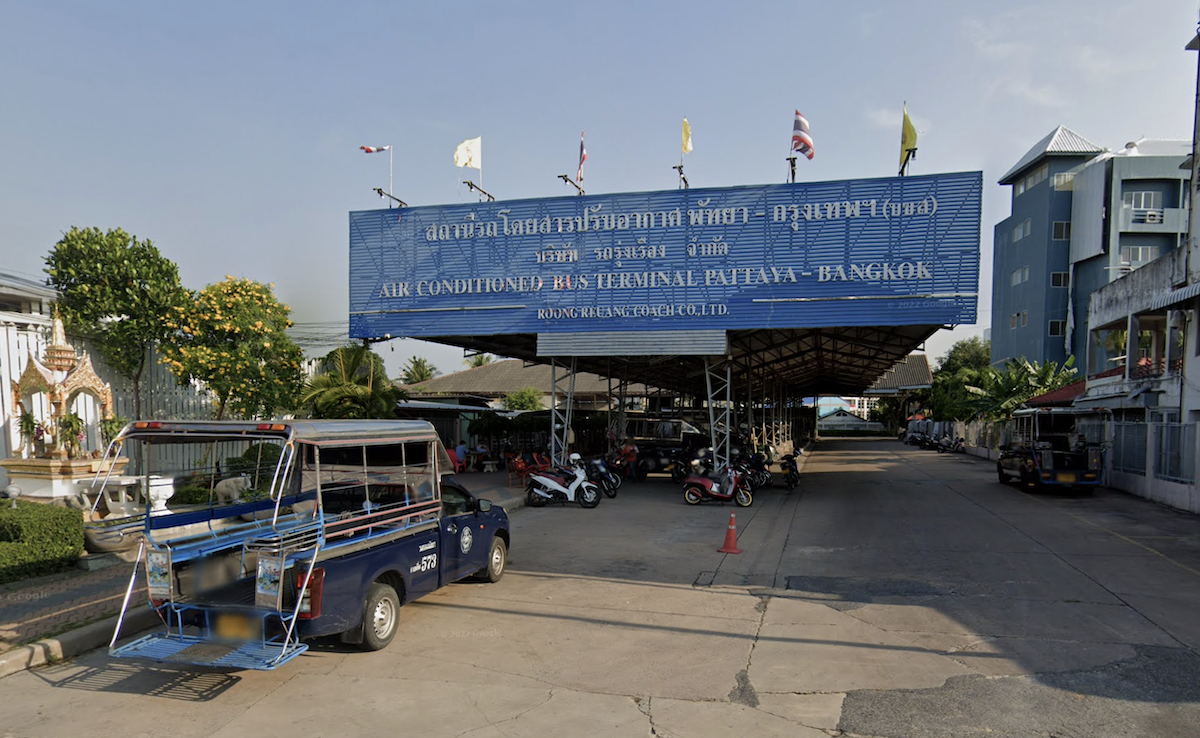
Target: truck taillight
310 603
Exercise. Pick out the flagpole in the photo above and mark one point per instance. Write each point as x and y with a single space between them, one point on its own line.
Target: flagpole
391 190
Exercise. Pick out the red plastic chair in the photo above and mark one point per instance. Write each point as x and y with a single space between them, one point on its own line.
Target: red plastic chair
459 466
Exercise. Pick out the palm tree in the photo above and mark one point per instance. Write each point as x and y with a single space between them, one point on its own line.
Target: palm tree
418 369
478 360
352 383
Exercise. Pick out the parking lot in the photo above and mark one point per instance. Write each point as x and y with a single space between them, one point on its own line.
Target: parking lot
897 592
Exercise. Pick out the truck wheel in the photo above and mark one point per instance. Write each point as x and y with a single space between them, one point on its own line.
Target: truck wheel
497 560
381 616
589 495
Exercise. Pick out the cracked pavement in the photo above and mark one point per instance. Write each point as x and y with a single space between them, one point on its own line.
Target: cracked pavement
896 594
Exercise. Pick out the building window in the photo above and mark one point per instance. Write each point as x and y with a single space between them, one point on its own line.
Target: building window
1064 181
1062 230
1137 255
1060 279
1021 230
1019 275
1058 327
1019 187
1143 200
1024 318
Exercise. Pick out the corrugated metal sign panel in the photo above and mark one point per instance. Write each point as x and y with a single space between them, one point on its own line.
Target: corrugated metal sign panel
896 251
631 343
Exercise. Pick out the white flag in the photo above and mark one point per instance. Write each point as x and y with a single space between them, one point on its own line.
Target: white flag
469 153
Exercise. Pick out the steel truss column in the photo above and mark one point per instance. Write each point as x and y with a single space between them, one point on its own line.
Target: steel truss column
562 380
751 426
718 377
616 423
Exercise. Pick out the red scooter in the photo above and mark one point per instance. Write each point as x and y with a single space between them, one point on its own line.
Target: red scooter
698 488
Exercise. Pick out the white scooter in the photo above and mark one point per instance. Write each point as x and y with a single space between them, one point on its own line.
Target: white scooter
562 485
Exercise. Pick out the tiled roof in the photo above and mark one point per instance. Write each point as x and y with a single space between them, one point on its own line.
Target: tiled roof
509 375
1062 396
1062 141
911 372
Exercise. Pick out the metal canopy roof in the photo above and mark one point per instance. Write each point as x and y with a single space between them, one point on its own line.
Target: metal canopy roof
798 362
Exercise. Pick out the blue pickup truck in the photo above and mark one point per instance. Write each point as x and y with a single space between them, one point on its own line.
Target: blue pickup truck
276 533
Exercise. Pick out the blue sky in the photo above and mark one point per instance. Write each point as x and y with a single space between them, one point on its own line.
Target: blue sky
228 133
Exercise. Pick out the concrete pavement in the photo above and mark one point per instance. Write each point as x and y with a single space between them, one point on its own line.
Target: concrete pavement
897 593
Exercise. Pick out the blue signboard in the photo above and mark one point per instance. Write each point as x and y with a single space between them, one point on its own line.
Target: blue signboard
896 251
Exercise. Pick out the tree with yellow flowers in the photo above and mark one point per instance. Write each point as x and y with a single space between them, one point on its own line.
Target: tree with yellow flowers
231 337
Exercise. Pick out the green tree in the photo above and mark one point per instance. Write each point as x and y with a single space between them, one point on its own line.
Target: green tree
523 399
969 353
232 338
351 383
891 411
418 369
115 289
951 397
479 360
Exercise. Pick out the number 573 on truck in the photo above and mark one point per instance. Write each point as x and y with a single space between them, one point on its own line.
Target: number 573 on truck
279 532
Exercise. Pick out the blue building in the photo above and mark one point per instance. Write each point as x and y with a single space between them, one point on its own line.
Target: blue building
1082 216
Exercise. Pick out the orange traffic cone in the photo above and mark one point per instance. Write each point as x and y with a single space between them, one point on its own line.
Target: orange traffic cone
730 546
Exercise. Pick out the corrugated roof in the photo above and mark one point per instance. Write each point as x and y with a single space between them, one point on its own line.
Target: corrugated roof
502 377
14 284
911 372
1062 141
1157 147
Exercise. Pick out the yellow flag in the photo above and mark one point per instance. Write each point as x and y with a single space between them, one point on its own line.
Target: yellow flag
908 140
687 137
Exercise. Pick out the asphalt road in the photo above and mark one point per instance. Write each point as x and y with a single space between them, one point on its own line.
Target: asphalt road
897 593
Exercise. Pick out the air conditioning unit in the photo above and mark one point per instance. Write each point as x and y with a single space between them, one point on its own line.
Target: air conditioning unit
1154 216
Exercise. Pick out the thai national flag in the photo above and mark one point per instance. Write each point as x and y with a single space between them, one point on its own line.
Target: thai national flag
802 137
582 159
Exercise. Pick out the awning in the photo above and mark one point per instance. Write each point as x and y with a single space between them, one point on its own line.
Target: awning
1175 297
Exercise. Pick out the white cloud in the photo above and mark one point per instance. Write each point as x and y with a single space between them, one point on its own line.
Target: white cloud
1010 68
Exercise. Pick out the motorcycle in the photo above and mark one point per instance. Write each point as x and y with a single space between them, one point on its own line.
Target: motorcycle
734 487
791 471
562 485
678 467
758 473
605 478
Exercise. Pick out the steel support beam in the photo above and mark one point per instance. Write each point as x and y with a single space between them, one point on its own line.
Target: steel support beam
562 402
718 378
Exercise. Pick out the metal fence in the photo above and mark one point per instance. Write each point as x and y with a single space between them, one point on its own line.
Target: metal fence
1175 452
1129 447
